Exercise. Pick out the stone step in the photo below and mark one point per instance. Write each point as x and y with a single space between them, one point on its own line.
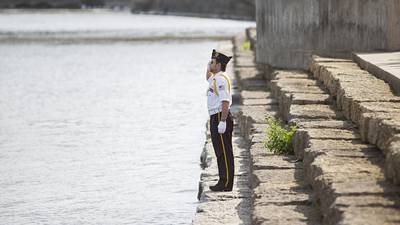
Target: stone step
366 100
301 98
279 194
346 175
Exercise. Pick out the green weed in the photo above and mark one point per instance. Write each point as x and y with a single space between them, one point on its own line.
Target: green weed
279 137
246 45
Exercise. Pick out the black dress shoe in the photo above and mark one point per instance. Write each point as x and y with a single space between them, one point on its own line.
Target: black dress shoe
217 188
220 186
228 189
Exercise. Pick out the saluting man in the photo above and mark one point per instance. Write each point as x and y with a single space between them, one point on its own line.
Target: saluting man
219 100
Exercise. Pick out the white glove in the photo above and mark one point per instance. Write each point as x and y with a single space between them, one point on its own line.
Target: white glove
221 127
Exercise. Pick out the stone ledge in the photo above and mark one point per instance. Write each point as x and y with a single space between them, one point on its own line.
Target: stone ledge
303 136
335 160
384 65
366 100
255 94
313 112
248 73
279 193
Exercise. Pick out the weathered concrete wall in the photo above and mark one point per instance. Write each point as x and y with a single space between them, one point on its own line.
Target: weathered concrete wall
40 3
233 9
229 9
117 3
289 31
62 3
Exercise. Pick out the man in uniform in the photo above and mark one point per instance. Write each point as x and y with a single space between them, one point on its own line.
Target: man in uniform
219 100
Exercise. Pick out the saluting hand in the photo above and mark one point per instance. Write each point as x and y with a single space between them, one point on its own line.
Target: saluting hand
221 127
208 73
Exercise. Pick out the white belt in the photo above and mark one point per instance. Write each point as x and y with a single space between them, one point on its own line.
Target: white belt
213 111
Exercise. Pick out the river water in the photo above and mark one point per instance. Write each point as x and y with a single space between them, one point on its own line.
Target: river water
102 132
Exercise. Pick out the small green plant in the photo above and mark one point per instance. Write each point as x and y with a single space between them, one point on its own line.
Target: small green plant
246 45
279 138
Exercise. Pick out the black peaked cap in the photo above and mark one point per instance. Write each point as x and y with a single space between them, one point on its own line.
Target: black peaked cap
220 57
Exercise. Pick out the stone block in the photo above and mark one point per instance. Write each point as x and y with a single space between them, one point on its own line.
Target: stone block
244 73
272 163
346 99
336 148
246 94
334 178
367 215
210 212
287 99
302 137
392 163
285 74
373 130
313 112
386 130
277 85
358 108
332 77
253 84
368 123
257 114
258 150
317 62
334 124
259 101
284 214
271 193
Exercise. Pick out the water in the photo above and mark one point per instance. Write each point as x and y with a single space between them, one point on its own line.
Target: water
102 133
111 25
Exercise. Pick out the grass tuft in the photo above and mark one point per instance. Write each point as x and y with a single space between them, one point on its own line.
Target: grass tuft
279 137
246 45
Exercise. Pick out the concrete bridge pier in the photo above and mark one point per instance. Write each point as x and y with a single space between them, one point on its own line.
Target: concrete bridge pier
290 31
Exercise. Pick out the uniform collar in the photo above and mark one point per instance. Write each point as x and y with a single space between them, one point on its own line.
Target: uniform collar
219 73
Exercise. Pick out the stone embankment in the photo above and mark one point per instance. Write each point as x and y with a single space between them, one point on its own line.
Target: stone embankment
345 173
279 193
339 108
366 101
347 147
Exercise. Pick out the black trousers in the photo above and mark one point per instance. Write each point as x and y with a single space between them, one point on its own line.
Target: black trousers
222 144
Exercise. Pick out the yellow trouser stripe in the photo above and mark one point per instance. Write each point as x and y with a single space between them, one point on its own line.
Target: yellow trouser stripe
226 161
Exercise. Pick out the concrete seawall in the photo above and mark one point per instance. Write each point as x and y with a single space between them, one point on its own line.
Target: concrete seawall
227 9
290 31
224 9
